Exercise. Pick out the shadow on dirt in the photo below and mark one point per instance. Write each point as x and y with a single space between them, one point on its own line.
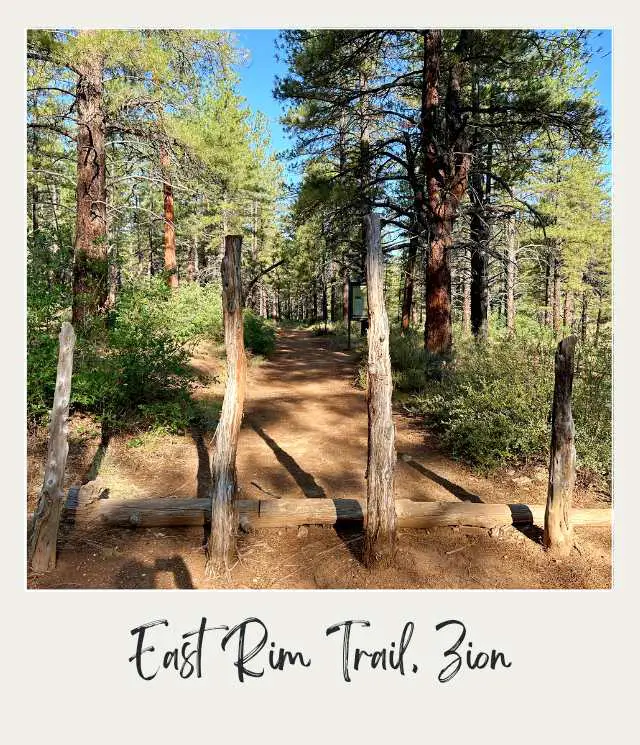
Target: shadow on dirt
138 575
305 481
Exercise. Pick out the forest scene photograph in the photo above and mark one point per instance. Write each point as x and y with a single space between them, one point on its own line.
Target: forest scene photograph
318 309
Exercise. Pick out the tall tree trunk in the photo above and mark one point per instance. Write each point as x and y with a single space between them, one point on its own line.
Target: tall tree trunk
466 298
437 329
479 276
139 251
202 258
221 548
151 268
192 260
332 294
325 310
548 286
557 293
345 297
115 280
584 318
480 228
511 274
380 523
90 268
169 233
596 337
34 209
407 297
567 319
364 163
446 175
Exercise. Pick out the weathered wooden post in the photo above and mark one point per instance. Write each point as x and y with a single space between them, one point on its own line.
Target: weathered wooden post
562 466
380 522
43 536
221 549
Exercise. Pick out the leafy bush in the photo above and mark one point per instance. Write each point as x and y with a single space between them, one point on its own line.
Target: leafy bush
410 361
259 334
138 365
139 360
491 403
592 409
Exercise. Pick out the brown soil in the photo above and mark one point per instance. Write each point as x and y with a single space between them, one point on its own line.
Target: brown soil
304 436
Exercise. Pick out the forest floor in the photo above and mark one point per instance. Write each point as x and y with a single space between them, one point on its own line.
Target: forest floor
304 435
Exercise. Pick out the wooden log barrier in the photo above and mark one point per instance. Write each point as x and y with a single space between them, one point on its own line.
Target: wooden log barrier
281 513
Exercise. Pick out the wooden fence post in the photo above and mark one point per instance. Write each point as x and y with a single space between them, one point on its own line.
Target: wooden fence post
221 550
43 535
380 523
562 465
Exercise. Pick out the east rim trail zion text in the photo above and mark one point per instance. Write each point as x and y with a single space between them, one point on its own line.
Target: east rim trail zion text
254 652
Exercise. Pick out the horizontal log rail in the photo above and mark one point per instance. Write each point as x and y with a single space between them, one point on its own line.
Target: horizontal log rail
279 513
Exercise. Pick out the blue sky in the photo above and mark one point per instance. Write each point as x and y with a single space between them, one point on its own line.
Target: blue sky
257 78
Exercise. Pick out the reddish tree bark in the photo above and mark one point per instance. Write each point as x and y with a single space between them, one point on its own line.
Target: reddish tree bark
169 233
446 177
90 267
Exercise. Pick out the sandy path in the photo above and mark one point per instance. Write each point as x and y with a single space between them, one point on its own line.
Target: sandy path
304 435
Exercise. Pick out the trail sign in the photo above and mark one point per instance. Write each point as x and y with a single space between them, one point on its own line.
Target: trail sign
358 308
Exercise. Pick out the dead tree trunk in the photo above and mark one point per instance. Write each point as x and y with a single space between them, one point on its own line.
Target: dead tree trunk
562 467
169 234
224 517
44 530
380 525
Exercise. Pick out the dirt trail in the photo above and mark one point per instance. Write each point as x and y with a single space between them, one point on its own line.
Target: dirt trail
304 435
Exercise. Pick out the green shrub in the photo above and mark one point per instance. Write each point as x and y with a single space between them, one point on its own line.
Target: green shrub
135 367
491 403
259 334
137 361
592 410
410 362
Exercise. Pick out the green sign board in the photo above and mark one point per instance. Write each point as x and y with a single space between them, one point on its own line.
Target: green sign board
359 308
